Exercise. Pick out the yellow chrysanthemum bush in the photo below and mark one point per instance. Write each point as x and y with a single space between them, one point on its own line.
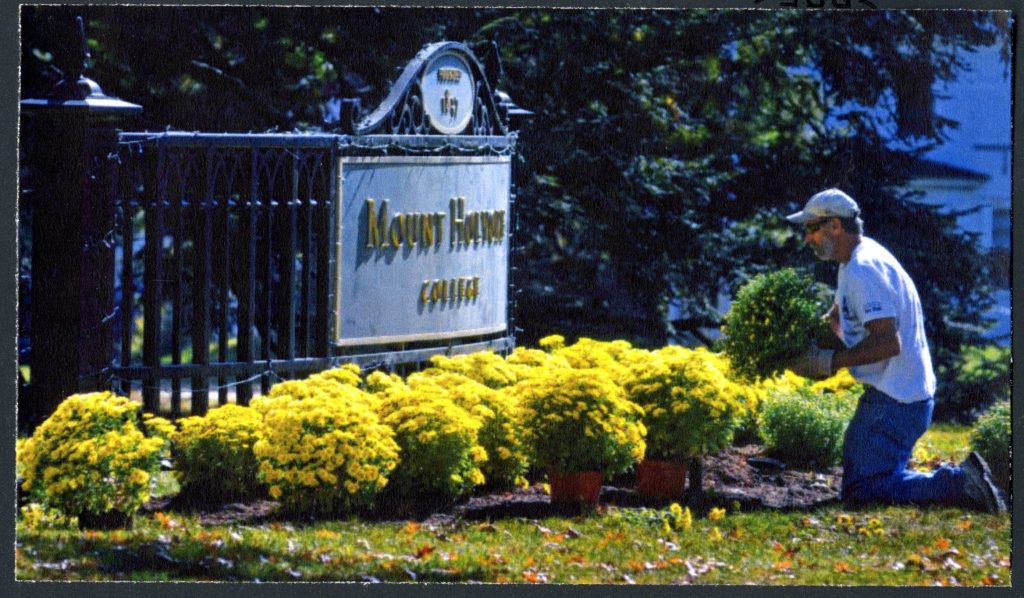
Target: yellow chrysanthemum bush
378 382
324 451
577 420
486 367
441 455
527 363
349 374
750 394
690 406
214 460
613 357
499 433
92 457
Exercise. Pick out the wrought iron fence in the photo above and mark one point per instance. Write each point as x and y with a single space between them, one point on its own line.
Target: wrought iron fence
223 260
181 268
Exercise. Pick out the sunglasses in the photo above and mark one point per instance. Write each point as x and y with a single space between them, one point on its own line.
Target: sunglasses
812 227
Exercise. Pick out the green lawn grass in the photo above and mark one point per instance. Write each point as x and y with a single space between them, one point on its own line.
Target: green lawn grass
833 545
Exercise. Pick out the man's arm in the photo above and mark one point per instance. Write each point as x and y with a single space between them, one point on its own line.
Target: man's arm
881 342
832 340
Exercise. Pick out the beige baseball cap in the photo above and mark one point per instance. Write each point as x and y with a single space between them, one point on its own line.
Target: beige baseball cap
830 203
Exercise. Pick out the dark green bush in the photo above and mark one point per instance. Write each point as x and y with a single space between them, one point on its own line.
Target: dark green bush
991 438
980 378
805 426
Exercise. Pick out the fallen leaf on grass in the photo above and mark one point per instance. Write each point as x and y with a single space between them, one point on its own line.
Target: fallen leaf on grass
424 551
921 562
842 567
636 566
534 577
611 538
165 520
782 565
411 527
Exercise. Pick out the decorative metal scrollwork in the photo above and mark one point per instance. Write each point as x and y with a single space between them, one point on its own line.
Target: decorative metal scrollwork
403 111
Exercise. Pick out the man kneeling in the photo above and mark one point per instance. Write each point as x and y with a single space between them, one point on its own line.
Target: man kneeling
879 335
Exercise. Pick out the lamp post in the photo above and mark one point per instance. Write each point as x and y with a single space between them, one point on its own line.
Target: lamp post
67 136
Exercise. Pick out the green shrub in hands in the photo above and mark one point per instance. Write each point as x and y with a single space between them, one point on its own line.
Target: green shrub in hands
773 320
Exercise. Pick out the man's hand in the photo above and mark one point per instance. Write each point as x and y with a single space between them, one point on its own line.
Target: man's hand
816 363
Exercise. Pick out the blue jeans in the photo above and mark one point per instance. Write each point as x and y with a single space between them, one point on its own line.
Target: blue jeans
879 442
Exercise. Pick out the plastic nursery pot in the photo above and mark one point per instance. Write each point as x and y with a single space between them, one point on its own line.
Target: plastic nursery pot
577 487
108 520
661 479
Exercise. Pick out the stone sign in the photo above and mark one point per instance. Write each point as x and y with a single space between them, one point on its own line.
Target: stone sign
422 248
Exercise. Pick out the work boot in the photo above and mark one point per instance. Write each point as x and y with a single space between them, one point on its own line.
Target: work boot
982 493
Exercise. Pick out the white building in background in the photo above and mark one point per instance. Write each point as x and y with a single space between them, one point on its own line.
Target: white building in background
970 171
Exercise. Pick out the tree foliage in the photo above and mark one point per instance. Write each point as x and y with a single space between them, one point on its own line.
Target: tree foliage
665 148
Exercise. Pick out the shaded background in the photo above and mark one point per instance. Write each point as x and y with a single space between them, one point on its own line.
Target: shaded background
665 148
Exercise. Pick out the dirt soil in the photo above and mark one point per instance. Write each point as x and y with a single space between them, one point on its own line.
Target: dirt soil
736 476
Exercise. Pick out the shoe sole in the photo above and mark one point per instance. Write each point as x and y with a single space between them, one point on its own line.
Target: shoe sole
986 478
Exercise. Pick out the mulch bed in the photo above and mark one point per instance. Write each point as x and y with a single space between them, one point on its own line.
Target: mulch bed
740 476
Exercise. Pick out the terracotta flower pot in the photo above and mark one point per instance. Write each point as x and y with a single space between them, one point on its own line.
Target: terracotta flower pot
661 479
578 487
105 521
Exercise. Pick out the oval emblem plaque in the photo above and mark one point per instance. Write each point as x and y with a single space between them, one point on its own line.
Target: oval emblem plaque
448 93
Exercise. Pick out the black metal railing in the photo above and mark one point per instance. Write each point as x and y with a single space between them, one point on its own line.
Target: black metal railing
223 260
184 268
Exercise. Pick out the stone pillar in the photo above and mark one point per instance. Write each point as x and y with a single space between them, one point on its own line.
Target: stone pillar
67 137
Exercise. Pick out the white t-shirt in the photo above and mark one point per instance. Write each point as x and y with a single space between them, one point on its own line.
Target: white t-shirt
873 285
